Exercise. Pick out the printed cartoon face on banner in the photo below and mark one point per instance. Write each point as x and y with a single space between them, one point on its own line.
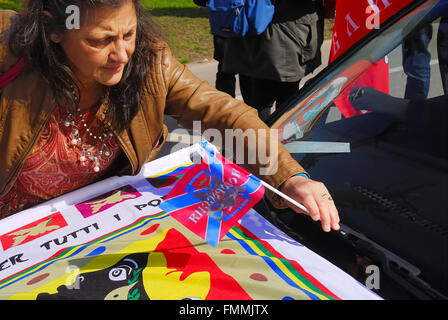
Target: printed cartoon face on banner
33 231
122 281
156 258
108 200
99 272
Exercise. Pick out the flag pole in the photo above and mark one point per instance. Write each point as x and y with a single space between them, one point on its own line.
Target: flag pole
284 196
200 150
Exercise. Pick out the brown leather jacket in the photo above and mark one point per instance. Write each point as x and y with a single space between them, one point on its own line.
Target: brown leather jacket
27 103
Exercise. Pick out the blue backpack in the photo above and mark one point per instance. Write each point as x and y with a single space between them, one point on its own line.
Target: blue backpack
237 18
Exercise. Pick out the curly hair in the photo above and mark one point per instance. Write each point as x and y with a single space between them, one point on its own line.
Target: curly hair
29 37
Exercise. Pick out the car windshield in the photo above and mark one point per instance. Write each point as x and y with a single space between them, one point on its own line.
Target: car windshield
299 118
373 127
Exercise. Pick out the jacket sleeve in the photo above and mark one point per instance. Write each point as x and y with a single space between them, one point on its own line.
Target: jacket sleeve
251 142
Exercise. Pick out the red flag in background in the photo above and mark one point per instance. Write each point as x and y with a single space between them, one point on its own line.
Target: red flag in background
355 19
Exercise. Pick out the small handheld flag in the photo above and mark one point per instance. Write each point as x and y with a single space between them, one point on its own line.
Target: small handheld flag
212 195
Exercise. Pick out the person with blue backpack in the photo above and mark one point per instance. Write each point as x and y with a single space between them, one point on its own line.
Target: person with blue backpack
277 46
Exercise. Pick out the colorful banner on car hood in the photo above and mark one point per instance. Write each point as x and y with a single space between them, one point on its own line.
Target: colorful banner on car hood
112 241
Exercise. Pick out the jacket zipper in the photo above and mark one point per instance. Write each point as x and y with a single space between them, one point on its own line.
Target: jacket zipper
156 144
103 119
126 152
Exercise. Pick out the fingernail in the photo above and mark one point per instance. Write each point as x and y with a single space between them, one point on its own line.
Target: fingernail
336 226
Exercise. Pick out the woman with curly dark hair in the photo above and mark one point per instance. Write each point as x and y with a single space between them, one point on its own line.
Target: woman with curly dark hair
82 104
35 37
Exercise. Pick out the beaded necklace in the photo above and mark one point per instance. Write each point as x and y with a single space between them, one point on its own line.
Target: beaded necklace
79 124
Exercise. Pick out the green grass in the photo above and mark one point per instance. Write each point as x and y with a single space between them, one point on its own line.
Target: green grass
152 4
10 4
184 27
189 38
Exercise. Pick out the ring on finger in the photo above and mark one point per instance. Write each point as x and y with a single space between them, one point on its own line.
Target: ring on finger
324 195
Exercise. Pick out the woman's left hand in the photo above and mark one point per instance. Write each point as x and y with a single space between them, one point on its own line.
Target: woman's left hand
315 197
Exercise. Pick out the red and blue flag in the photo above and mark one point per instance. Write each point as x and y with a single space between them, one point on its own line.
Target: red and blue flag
212 195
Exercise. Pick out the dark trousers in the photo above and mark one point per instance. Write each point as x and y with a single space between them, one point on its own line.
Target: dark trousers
262 93
225 81
416 63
